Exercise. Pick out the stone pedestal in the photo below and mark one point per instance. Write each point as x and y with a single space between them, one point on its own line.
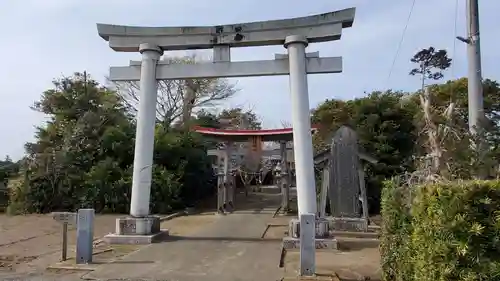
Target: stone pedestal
324 240
130 230
270 189
348 224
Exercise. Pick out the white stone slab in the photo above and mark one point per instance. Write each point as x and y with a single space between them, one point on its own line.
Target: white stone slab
317 28
227 69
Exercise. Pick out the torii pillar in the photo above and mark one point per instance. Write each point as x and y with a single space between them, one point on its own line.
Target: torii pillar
145 132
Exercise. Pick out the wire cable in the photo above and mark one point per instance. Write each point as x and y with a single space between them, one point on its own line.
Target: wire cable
401 41
454 48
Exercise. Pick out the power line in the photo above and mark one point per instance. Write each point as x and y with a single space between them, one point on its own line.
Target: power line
454 50
401 41
455 34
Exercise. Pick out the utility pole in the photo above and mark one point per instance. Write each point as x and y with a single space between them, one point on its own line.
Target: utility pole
475 81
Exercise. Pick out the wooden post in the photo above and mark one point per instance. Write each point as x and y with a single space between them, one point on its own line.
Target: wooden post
64 242
231 190
220 186
324 190
284 179
362 189
227 174
228 182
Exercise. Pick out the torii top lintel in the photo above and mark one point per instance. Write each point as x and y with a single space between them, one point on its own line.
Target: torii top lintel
317 28
285 134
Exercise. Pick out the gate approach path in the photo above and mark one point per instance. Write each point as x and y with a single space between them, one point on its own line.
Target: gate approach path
229 249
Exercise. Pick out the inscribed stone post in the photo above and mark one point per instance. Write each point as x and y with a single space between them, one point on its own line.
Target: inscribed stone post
307 244
84 235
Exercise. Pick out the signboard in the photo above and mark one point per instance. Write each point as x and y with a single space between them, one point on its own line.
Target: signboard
65 217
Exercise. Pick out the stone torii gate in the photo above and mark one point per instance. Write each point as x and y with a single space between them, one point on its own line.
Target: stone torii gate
294 34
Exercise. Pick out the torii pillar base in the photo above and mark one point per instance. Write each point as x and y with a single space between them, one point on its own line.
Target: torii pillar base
323 240
137 231
349 224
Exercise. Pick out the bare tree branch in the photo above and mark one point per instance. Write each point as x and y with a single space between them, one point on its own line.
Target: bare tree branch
178 98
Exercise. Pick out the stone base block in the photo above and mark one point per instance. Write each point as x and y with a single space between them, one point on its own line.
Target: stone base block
348 224
136 239
291 243
270 189
322 228
130 230
267 189
226 208
284 212
138 226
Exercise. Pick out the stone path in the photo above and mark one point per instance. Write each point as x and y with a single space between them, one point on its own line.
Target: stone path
230 248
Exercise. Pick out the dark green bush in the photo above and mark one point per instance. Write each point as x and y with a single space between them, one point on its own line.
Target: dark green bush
453 234
182 175
83 156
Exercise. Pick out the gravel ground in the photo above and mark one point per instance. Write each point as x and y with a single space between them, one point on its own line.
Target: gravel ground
30 243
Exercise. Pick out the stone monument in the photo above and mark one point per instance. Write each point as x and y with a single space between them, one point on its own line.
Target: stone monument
344 182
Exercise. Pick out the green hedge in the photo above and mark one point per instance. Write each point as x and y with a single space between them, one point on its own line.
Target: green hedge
396 233
446 231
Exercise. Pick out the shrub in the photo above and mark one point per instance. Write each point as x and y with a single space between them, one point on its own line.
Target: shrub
457 231
182 175
451 232
395 244
16 190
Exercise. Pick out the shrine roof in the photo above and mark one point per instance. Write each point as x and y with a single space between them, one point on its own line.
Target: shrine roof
285 134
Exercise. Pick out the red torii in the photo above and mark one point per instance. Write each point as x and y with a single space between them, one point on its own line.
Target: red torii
225 190
238 135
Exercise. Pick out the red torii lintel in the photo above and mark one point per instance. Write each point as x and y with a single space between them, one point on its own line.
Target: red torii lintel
285 134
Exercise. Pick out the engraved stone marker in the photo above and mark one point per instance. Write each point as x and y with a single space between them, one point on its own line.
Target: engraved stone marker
84 235
344 190
307 244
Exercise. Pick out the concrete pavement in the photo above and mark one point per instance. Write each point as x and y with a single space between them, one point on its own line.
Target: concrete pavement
229 249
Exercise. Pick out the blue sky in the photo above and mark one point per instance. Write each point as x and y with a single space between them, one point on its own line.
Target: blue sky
44 39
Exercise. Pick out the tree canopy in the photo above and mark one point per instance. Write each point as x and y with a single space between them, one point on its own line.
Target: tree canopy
83 156
390 128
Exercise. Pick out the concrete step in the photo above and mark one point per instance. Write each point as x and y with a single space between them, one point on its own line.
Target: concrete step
354 234
353 244
270 189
